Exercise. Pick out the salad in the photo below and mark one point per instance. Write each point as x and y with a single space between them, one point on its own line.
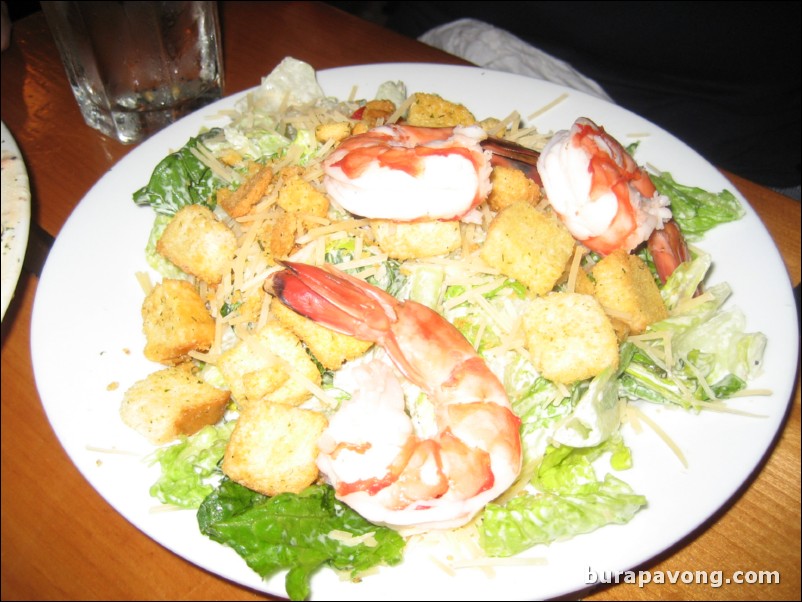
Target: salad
574 460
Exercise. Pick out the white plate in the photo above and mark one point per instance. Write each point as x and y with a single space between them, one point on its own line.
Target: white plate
16 201
87 334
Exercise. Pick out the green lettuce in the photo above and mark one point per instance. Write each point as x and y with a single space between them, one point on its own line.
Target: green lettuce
294 532
538 403
156 260
425 285
181 179
528 520
473 320
566 469
697 210
389 278
340 250
256 142
596 414
305 144
189 468
708 343
571 501
685 280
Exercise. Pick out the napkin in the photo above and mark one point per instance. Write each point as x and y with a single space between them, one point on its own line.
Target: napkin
495 48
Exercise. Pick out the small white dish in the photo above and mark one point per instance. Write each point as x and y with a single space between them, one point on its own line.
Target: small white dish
16 215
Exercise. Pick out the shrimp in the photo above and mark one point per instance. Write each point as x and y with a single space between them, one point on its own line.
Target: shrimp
408 173
602 196
668 249
370 453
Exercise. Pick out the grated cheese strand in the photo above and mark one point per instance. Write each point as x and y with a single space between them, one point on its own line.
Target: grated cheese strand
548 106
572 273
642 417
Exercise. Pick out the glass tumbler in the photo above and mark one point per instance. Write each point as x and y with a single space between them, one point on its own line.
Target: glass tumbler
136 67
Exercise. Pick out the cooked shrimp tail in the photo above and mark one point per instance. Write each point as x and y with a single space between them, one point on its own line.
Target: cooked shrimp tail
507 153
668 248
613 170
339 302
371 453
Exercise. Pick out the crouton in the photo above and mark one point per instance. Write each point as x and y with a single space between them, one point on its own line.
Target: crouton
198 243
490 124
282 236
626 289
528 245
175 321
296 195
230 157
247 305
377 110
411 240
330 348
273 448
509 186
359 128
586 286
430 110
335 130
240 201
170 403
569 337
583 284
271 365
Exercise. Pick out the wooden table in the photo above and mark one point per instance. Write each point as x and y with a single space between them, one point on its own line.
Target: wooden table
61 540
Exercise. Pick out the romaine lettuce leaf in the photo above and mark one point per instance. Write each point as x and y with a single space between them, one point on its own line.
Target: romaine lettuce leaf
566 469
389 278
723 340
190 466
292 83
528 520
684 281
473 320
697 210
708 344
425 285
256 142
396 92
181 179
571 501
296 532
156 260
538 403
597 414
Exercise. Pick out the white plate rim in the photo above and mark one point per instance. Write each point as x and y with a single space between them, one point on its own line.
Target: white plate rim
567 563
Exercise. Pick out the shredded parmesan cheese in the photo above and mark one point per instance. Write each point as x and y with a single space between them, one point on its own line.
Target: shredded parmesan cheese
343 226
689 305
572 272
226 174
111 451
401 110
640 416
144 281
351 540
548 106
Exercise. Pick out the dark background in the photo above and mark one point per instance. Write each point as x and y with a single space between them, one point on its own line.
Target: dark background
723 77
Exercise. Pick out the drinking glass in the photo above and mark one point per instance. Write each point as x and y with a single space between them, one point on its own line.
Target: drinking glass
136 67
